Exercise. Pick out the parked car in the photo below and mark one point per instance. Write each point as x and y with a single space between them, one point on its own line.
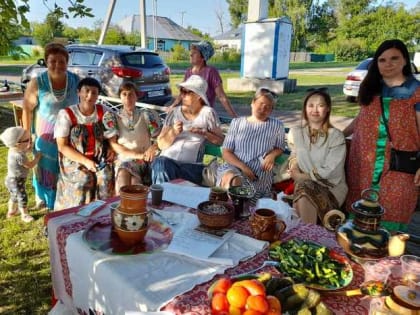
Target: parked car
112 65
356 76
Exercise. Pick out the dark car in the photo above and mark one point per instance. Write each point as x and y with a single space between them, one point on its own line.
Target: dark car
112 65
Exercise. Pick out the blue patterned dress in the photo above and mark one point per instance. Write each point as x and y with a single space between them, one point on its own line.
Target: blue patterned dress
45 114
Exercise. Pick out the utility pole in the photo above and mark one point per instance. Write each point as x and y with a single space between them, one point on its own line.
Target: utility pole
105 26
182 17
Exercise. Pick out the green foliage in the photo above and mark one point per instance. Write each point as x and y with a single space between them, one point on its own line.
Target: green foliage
13 21
351 50
36 52
229 56
179 53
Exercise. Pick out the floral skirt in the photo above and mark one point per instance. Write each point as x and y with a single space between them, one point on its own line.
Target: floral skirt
320 196
77 185
137 168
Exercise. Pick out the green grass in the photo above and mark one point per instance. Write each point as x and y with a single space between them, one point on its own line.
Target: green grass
25 279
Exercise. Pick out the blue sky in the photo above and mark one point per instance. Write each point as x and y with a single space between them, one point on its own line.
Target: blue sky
200 14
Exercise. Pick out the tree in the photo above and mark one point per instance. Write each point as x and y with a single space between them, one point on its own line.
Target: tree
238 11
13 21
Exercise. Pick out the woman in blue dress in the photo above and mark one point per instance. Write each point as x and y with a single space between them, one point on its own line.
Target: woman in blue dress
46 94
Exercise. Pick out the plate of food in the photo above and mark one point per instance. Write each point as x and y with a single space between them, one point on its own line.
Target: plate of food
312 264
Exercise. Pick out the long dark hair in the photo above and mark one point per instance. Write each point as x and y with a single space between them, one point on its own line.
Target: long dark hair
371 85
323 92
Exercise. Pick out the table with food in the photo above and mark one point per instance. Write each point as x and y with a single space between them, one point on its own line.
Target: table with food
197 252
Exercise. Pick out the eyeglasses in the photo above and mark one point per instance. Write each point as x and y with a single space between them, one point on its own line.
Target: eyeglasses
321 89
267 91
185 91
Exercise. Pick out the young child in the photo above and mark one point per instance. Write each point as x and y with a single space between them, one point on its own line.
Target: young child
18 141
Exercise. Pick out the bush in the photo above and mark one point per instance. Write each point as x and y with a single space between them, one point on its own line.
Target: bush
351 50
36 52
227 56
179 53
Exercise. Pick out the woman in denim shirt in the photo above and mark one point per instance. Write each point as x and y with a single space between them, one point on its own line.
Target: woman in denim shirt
389 75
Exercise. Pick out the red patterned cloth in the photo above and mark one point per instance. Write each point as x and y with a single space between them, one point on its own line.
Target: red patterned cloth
398 194
196 300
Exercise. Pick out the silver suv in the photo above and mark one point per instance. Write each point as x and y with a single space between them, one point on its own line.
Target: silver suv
112 65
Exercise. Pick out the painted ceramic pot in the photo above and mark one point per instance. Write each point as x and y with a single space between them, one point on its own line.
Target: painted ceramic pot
133 198
131 228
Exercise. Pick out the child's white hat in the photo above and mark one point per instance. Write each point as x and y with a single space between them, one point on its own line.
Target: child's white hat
11 136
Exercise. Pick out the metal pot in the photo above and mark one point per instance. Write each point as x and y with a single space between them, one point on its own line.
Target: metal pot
241 197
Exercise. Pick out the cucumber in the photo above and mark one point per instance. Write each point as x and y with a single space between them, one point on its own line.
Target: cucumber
275 284
312 299
262 277
322 309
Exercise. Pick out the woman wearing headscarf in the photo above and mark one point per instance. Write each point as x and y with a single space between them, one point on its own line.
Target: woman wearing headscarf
199 55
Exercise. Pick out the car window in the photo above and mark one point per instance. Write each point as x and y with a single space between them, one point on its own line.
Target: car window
364 64
143 60
85 58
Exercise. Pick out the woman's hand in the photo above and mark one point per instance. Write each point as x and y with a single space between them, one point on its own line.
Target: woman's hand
297 174
150 153
268 162
178 127
90 165
417 178
249 173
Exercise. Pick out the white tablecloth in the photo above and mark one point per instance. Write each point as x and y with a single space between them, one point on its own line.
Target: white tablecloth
115 284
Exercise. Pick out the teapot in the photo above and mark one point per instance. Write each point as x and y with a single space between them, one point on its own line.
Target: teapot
363 236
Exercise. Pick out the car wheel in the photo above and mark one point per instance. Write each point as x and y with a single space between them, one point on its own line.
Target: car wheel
351 99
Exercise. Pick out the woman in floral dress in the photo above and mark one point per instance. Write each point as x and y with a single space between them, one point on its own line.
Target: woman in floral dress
84 173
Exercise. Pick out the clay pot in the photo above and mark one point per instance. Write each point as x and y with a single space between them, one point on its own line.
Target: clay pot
131 220
265 225
131 228
133 198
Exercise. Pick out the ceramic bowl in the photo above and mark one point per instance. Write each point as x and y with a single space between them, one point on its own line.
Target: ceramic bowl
215 214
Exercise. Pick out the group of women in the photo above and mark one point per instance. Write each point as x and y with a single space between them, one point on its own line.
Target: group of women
88 136
80 139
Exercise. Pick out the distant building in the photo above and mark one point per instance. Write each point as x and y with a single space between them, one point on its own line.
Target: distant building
230 40
166 32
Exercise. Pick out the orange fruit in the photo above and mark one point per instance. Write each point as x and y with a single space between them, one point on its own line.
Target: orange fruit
257 303
273 312
237 296
222 285
252 312
253 286
274 303
235 310
219 302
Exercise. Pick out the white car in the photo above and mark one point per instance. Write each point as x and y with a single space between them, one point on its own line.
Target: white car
356 76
